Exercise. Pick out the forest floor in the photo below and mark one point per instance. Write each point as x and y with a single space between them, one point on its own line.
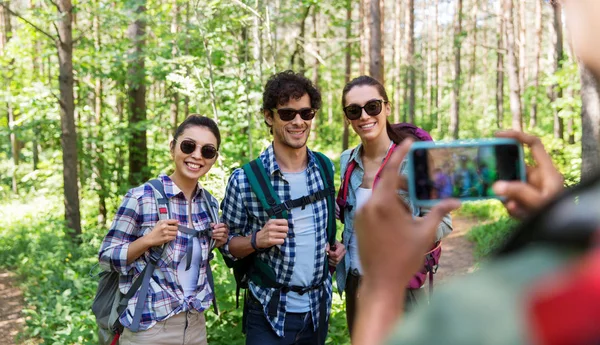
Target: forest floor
11 304
457 259
457 251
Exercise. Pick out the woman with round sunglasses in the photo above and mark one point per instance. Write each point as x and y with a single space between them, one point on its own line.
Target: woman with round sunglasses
366 108
179 290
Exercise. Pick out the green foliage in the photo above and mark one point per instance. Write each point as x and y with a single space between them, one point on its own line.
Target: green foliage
482 210
54 271
489 237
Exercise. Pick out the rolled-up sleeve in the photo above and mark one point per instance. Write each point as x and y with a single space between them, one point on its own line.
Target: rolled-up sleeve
234 212
123 231
445 227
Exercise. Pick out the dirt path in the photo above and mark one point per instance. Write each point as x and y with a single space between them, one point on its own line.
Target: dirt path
457 251
11 303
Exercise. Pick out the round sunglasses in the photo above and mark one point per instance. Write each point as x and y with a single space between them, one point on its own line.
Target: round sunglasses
188 146
288 114
372 108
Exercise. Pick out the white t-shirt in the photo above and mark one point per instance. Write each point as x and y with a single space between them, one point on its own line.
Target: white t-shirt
305 235
362 195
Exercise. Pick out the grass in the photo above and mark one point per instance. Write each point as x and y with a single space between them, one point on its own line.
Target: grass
496 228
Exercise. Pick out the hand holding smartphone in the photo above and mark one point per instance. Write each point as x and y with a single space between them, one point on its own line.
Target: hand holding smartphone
463 169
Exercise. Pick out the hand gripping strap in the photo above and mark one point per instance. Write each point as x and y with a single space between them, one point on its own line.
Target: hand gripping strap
162 204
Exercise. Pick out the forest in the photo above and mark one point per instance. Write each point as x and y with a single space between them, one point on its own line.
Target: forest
92 90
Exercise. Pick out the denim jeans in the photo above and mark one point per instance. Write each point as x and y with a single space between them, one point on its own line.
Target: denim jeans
298 330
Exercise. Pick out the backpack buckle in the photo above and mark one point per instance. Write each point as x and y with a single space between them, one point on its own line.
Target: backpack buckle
278 209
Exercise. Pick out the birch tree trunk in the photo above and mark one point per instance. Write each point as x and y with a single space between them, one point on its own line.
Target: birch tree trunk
513 69
455 108
409 37
536 65
500 67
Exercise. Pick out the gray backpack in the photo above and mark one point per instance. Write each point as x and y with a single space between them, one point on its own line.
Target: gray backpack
109 303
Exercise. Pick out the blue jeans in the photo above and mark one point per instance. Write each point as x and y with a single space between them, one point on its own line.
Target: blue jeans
298 329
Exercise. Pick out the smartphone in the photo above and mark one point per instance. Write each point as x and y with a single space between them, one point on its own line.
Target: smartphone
462 169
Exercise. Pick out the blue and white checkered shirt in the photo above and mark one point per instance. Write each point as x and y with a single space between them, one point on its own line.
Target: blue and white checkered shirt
135 218
243 213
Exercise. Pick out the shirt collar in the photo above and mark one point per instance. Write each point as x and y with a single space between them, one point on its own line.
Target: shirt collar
171 189
270 163
356 153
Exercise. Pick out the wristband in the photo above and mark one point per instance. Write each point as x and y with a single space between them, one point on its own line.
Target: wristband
253 242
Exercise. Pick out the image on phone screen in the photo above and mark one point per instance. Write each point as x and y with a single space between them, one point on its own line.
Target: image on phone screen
466 172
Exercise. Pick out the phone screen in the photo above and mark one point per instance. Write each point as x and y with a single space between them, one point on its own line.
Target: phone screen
465 171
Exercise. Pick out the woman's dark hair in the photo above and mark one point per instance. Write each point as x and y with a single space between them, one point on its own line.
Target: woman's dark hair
395 135
286 85
197 120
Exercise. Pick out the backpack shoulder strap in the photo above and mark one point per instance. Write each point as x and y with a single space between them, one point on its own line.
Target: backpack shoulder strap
326 169
162 203
211 205
342 195
262 188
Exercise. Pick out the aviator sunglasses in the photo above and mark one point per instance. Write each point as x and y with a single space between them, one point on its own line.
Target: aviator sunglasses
287 114
372 108
188 146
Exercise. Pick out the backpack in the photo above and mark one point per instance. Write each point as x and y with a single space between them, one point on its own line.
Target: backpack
251 267
432 257
109 303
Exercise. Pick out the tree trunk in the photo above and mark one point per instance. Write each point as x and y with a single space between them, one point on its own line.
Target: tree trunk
409 36
364 36
557 65
120 147
315 68
397 80
376 42
536 65
5 26
345 137
590 124
67 117
257 47
14 145
522 54
98 152
429 67
513 68
473 61
300 42
174 107
500 67
454 111
138 151
438 70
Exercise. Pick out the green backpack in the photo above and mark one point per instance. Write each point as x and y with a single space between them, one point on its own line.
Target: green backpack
252 267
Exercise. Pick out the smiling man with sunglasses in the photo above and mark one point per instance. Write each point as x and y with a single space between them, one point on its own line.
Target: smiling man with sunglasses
289 244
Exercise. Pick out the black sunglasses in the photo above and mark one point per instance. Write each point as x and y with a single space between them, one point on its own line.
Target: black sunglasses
372 108
287 114
207 151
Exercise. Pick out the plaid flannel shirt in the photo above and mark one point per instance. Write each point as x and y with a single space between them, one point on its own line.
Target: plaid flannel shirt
135 218
243 213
